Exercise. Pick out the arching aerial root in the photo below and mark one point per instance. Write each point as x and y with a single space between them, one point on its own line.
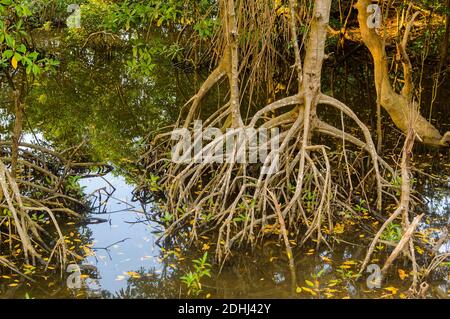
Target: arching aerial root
239 197
294 189
295 184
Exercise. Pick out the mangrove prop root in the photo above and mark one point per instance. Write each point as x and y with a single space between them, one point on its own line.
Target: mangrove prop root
33 180
242 201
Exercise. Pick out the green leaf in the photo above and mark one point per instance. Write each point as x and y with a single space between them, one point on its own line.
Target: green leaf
7 54
22 48
35 69
10 42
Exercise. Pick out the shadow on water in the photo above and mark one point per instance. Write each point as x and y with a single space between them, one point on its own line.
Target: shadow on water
94 101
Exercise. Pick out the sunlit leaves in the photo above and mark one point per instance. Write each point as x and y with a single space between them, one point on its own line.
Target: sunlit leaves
14 38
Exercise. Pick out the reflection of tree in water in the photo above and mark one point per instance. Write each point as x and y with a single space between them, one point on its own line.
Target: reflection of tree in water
262 273
147 283
96 100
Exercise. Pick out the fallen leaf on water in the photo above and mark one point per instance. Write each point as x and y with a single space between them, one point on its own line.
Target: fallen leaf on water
345 266
402 274
393 290
133 274
339 228
327 260
312 292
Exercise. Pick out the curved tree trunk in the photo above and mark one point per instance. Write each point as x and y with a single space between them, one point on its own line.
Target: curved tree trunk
399 106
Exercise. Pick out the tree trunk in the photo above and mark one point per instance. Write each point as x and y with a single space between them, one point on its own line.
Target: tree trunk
399 106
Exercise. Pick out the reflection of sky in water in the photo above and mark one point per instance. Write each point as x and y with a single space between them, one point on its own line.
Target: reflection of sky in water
438 202
137 251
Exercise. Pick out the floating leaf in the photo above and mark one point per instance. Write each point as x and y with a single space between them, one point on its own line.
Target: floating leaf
327 260
402 274
345 266
312 292
133 274
393 290
339 228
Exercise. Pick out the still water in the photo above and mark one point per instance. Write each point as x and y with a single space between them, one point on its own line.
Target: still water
94 99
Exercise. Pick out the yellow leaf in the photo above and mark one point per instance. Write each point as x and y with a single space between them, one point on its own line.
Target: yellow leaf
419 250
133 274
402 274
13 285
312 292
339 228
327 260
345 266
14 62
393 290
309 283
332 284
298 290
